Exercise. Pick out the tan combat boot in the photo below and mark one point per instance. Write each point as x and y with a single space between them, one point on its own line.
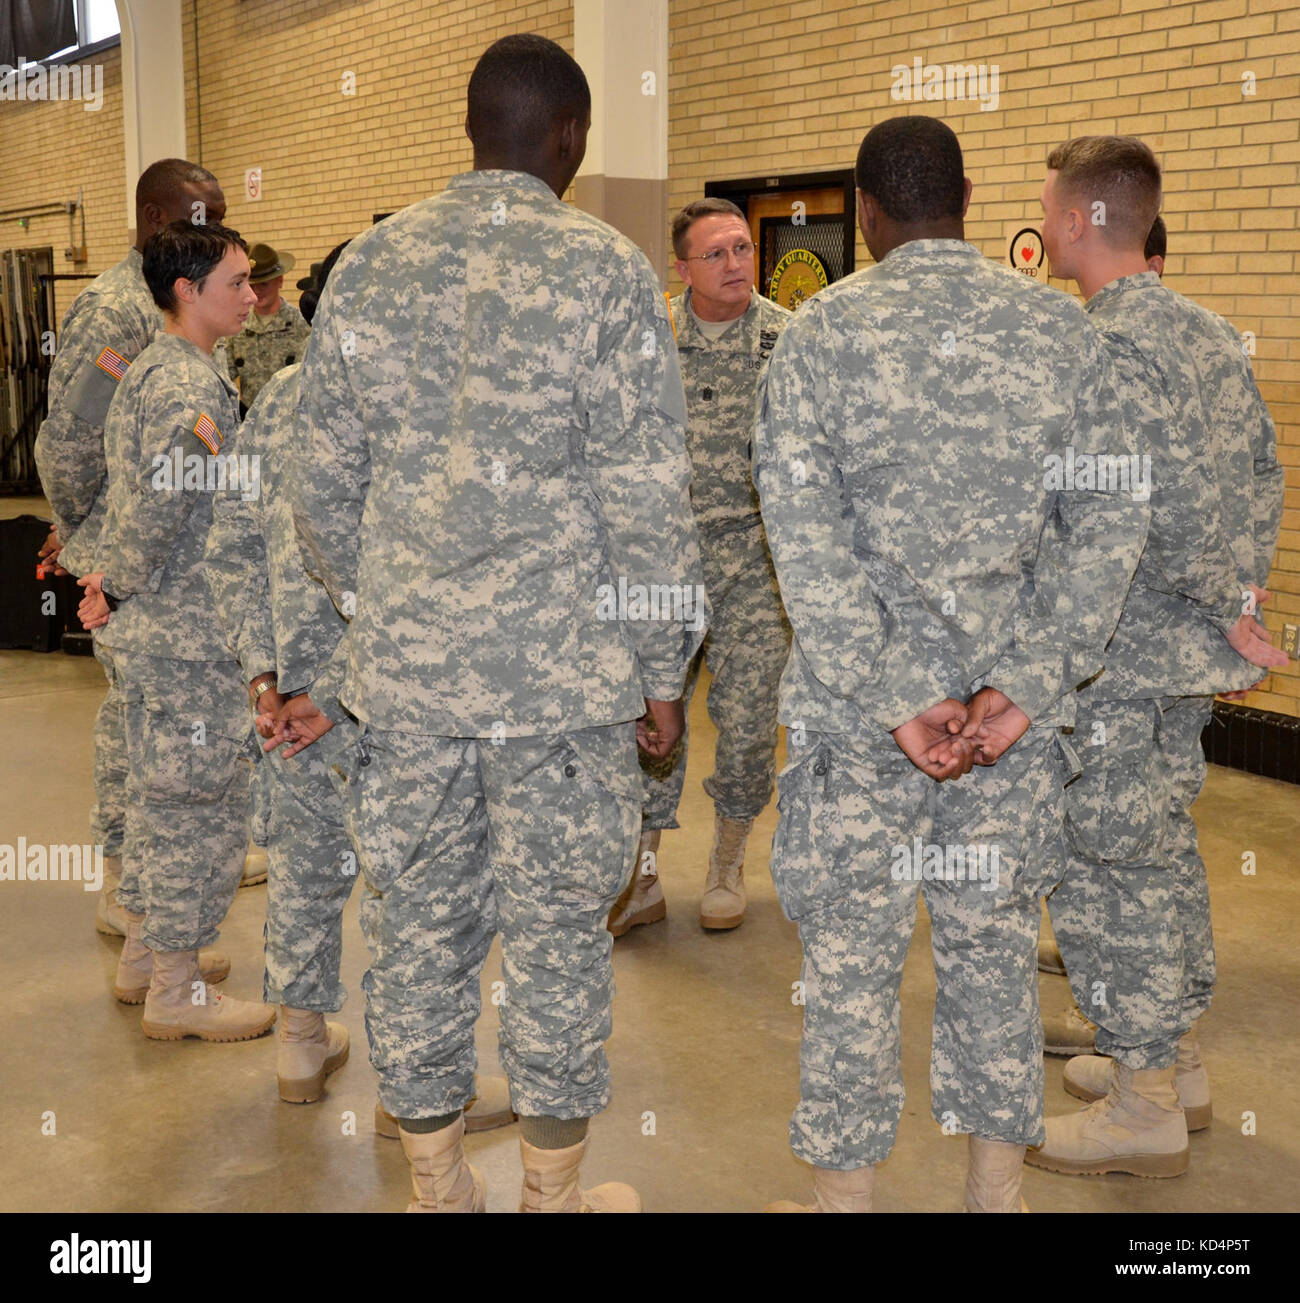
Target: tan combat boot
1049 957
551 1184
642 900
135 964
488 1109
441 1180
310 1049
834 1192
1088 1077
1068 1032
181 1004
110 917
1138 1128
993 1177
723 905
255 866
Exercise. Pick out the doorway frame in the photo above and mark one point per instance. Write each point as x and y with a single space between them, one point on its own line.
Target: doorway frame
741 191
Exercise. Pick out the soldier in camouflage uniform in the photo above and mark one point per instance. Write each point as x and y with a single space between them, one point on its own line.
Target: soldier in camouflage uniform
489 445
899 456
725 334
275 334
277 619
104 330
280 621
1070 1032
1132 913
184 703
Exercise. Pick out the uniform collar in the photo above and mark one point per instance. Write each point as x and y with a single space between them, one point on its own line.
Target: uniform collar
179 346
929 251
501 179
1117 289
691 336
278 320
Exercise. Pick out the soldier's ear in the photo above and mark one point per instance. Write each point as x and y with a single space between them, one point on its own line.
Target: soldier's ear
866 212
155 218
965 198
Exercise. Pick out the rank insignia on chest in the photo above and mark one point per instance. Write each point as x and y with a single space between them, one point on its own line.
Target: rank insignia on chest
205 430
113 363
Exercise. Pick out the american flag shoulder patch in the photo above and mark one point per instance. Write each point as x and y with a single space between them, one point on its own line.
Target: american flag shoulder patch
205 430
114 363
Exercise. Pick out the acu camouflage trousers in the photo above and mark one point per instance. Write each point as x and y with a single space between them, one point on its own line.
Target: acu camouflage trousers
460 837
746 649
1132 913
188 753
108 818
311 870
859 830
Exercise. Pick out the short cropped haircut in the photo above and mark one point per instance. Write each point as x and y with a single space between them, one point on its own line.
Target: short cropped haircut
912 167
519 89
1157 240
182 249
163 181
1119 172
692 213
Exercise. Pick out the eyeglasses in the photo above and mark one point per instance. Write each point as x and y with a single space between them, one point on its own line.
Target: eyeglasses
741 251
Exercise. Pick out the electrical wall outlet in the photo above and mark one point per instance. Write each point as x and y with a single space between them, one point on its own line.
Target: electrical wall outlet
1291 639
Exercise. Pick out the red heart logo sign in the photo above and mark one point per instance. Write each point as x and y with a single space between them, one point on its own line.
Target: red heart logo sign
1027 252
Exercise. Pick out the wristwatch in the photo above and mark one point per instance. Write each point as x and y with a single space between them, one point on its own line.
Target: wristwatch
111 601
267 685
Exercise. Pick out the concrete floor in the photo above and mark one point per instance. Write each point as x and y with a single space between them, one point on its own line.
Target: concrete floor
705 1040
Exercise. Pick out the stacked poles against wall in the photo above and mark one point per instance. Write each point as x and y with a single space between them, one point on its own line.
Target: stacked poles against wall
26 339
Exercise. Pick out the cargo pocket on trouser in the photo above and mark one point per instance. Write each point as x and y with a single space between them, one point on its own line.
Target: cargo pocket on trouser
598 811
1115 811
184 763
808 849
375 784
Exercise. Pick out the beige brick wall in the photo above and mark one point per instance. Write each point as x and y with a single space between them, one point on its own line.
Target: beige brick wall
756 88
267 90
762 89
50 148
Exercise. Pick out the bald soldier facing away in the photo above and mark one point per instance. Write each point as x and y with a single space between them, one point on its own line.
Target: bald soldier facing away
491 467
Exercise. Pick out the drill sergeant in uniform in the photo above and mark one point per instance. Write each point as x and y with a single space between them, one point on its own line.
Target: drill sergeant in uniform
1132 915
103 332
275 334
725 333
279 620
900 451
185 713
496 371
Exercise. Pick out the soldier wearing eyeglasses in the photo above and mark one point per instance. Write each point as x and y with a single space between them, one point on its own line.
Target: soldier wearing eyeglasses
725 333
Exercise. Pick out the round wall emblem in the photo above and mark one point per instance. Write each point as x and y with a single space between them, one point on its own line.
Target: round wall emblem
798 276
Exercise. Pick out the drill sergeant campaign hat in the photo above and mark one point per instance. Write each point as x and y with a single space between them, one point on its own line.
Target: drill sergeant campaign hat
267 264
